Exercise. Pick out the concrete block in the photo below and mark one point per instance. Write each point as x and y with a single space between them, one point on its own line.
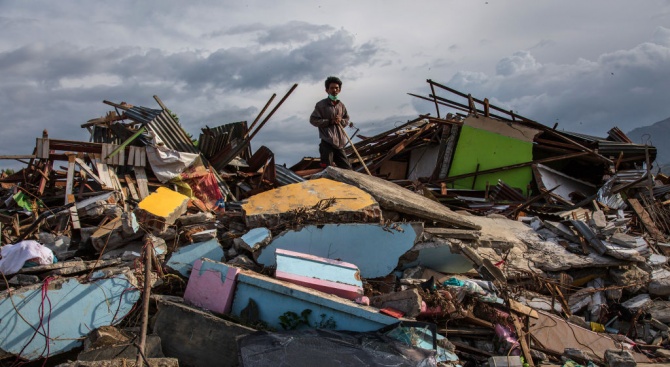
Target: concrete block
408 301
187 220
327 275
660 282
619 358
183 259
211 285
275 298
161 208
315 198
374 248
196 338
73 309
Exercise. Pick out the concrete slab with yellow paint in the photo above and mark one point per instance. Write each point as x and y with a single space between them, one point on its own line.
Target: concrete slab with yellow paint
161 209
321 199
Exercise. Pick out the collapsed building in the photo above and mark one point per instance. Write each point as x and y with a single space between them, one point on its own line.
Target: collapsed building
478 236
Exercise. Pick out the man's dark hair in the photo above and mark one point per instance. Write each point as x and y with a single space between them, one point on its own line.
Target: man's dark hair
333 79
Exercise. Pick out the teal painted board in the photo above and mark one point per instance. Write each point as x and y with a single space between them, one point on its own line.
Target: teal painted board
183 259
274 298
374 248
68 313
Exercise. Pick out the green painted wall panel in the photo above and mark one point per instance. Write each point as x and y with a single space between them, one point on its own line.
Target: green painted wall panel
490 150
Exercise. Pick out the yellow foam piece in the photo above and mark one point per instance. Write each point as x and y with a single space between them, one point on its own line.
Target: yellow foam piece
308 194
162 202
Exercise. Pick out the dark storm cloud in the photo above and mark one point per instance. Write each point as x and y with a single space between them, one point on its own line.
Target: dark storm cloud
61 86
240 68
290 32
625 88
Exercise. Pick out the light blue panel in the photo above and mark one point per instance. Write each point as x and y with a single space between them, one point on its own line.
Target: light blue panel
256 235
182 260
313 268
71 311
374 248
275 298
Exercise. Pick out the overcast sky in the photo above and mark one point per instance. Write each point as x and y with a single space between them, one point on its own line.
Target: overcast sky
588 65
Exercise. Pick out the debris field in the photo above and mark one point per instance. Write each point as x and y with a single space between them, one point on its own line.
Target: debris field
465 237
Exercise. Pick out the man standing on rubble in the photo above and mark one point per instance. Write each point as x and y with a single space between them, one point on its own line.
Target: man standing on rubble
330 116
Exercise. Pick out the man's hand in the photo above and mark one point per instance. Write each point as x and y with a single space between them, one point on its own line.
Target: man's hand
337 120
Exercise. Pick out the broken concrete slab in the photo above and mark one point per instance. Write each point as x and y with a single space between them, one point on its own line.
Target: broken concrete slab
211 285
660 310
659 285
562 230
183 259
254 239
632 278
125 350
396 198
197 338
626 240
161 208
277 298
326 275
85 266
354 243
619 358
114 234
75 308
622 253
641 301
407 301
190 219
451 233
328 201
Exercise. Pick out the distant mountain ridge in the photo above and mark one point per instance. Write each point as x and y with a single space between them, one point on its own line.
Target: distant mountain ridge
658 135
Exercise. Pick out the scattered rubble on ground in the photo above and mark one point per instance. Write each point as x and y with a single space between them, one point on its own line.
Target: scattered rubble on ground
481 237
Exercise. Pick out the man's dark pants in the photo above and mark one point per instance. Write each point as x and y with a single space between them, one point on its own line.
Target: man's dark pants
331 154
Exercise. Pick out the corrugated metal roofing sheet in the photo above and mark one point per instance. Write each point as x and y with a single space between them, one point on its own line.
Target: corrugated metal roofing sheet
164 126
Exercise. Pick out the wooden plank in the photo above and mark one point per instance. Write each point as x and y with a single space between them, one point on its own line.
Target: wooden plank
89 172
102 169
131 186
73 213
646 220
118 187
141 177
131 156
143 157
42 147
70 178
48 166
525 348
522 309
122 157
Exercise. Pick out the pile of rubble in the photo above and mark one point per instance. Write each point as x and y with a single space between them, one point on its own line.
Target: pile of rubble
479 238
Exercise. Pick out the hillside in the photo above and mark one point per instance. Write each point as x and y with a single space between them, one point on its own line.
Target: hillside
657 135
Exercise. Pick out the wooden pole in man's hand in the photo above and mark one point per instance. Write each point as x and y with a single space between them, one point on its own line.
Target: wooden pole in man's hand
355 150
